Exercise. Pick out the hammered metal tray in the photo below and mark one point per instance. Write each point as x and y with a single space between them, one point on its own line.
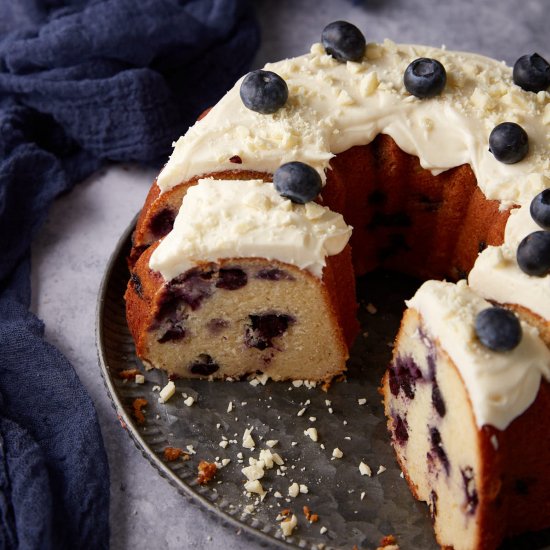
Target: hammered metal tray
354 509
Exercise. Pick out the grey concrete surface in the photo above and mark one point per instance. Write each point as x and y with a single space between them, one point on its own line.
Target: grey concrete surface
71 251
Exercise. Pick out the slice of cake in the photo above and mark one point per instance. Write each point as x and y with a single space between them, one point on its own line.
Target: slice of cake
249 282
463 418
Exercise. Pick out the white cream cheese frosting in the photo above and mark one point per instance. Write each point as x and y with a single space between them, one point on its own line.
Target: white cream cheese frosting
501 385
333 106
497 276
248 218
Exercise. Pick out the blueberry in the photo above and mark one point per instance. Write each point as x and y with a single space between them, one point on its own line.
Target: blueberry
425 77
498 329
344 41
532 73
533 254
264 328
540 209
508 142
297 181
263 91
204 365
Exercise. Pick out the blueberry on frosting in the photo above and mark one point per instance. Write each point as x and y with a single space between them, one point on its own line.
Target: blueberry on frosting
540 209
532 73
297 181
263 91
508 142
533 254
425 77
344 41
498 329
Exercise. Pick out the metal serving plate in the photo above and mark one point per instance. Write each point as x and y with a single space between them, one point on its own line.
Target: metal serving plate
335 486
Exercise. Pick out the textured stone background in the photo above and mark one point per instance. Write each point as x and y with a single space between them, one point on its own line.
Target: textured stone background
71 252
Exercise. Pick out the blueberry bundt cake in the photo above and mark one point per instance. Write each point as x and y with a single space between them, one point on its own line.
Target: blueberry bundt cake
439 162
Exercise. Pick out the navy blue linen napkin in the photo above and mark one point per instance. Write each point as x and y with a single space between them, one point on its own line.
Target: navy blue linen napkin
81 83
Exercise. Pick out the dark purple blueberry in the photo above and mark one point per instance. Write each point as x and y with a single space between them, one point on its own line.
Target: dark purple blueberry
136 283
264 328
263 92
170 322
425 78
344 41
532 73
437 448
403 374
509 142
162 222
540 209
235 159
472 500
297 181
498 329
433 505
533 255
401 430
274 274
437 400
192 287
231 279
203 366
174 333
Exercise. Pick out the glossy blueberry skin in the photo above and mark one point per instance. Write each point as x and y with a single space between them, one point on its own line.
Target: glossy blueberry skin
498 329
509 142
540 209
425 77
344 41
297 181
264 92
533 255
532 73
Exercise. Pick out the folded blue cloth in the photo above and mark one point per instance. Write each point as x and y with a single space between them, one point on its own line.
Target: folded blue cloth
82 82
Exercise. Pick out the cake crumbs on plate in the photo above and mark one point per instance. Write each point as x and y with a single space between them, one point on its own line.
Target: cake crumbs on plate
128 374
167 392
207 471
365 469
288 525
310 516
371 308
381 469
312 434
137 412
173 453
389 542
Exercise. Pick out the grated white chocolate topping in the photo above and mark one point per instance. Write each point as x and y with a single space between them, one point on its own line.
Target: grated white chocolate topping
248 218
333 106
501 385
497 276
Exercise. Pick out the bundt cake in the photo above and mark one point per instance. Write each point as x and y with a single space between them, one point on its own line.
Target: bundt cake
439 162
